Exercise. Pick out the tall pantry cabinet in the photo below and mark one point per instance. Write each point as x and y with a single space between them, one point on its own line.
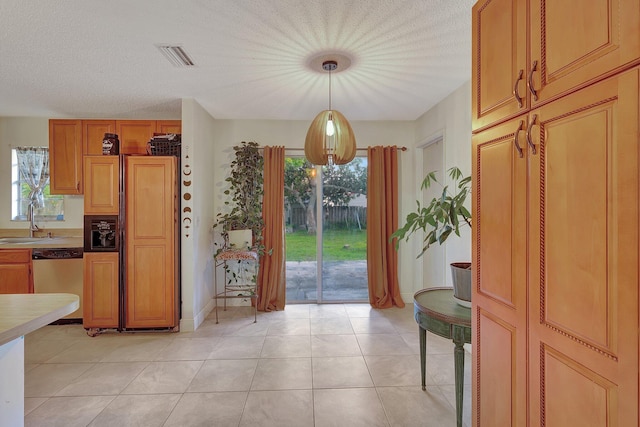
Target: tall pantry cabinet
555 235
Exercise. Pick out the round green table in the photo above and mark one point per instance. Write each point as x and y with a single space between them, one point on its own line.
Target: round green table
436 311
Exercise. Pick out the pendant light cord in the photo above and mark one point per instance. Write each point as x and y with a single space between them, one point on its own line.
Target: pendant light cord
329 88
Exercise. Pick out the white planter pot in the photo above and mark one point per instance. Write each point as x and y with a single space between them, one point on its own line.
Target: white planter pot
240 239
461 274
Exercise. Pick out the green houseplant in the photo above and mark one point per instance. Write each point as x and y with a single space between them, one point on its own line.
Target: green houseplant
244 195
444 215
243 211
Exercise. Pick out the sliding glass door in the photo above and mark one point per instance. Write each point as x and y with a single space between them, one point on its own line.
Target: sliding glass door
325 216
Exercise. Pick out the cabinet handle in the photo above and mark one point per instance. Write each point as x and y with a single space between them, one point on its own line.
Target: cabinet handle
515 139
530 81
516 95
529 140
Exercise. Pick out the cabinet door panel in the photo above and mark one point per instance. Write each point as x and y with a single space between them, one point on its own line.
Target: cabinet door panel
65 156
499 60
134 135
101 194
100 290
169 126
15 279
151 242
573 44
499 274
583 255
93 133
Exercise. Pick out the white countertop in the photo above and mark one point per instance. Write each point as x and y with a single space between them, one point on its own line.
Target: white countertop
24 313
44 242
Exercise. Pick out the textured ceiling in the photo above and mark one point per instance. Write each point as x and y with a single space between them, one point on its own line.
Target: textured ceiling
96 58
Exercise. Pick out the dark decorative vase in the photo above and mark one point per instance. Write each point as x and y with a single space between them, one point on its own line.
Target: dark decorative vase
461 274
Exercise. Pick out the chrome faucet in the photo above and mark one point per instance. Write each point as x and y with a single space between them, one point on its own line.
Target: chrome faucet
31 217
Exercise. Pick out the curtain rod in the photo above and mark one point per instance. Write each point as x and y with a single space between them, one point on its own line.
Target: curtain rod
357 149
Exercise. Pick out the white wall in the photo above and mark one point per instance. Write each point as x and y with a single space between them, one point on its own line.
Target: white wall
197 213
33 132
451 118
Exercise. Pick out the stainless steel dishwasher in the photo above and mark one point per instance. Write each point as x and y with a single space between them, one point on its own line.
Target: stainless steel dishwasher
59 270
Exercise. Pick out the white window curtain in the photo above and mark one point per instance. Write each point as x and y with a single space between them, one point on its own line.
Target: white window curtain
33 163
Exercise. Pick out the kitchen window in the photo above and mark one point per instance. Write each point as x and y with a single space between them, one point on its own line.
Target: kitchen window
53 209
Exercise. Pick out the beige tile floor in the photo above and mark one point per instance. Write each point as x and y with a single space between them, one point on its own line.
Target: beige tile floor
309 365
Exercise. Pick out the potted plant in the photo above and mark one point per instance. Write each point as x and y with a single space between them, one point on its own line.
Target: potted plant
437 220
244 201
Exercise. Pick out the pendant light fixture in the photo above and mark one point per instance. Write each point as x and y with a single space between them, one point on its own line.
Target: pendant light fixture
330 139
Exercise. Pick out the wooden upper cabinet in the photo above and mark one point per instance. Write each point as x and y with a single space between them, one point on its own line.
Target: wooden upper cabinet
65 156
134 135
571 44
101 185
93 133
15 271
169 126
499 60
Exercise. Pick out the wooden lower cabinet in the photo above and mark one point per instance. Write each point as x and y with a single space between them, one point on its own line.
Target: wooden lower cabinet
100 290
151 245
556 262
16 275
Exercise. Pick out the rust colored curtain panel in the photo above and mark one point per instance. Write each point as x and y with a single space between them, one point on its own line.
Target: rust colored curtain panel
271 275
382 221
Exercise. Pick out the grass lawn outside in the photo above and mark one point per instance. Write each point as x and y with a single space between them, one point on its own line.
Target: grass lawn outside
339 245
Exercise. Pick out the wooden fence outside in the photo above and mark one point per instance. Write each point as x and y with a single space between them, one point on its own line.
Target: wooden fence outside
334 216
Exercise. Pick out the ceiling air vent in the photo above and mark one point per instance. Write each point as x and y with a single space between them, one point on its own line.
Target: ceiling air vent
176 55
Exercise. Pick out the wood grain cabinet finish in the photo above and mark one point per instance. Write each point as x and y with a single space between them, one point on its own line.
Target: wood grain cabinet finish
556 224
169 126
101 184
134 135
93 133
16 275
70 140
583 256
65 156
571 46
499 321
100 306
151 247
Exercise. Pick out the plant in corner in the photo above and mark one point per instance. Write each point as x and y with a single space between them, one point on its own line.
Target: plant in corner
244 195
441 217
243 208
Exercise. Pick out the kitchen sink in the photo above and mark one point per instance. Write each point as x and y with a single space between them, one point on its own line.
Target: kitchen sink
17 240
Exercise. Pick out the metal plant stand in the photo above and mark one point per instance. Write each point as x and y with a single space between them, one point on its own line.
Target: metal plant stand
240 277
